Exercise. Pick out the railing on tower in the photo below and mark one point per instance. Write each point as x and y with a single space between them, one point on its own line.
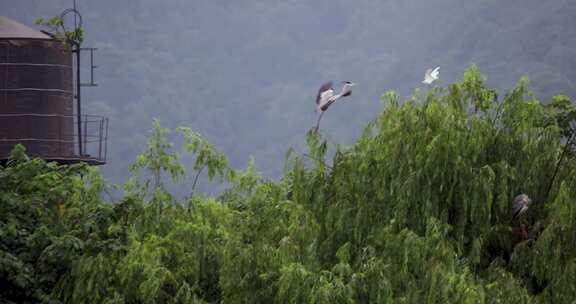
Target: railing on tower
53 142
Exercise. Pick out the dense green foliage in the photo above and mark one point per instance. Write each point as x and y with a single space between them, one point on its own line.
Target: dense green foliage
418 210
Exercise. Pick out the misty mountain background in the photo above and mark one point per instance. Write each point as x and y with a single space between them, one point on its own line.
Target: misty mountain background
245 73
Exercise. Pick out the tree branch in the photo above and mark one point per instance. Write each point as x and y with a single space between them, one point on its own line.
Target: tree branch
196 180
568 144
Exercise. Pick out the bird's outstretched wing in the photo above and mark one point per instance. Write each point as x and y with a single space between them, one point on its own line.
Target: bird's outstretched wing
325 87
431 75
435 73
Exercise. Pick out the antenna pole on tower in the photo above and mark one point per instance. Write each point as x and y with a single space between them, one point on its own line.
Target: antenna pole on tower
76 42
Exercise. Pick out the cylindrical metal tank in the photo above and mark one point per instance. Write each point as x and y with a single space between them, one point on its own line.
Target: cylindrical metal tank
36 93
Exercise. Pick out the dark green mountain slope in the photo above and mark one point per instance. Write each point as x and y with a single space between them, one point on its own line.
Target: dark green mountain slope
245 73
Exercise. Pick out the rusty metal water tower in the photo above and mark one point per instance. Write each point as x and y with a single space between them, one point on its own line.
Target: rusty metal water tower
39 82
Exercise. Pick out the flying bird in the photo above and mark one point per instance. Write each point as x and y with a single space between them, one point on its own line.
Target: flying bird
520 205
326 97
325 93
431 75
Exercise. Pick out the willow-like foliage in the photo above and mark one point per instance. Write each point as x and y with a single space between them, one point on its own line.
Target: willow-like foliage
418 210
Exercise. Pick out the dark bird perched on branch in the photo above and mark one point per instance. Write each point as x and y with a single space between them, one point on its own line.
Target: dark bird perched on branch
520 205
326 97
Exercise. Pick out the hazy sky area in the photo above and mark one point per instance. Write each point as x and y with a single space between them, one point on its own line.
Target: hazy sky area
245 73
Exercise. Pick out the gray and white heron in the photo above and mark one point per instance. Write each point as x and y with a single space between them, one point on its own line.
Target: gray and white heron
326 97
431 75
520 205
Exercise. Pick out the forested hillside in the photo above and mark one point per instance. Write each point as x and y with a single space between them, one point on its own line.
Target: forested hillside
245 73
417 210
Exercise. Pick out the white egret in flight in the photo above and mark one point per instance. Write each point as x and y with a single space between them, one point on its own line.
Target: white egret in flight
431 75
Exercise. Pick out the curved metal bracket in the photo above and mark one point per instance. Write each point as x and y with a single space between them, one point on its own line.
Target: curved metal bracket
77 22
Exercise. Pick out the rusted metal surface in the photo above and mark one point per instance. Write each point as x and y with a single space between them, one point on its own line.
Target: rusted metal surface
36 78
56 147
36 100
35 91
